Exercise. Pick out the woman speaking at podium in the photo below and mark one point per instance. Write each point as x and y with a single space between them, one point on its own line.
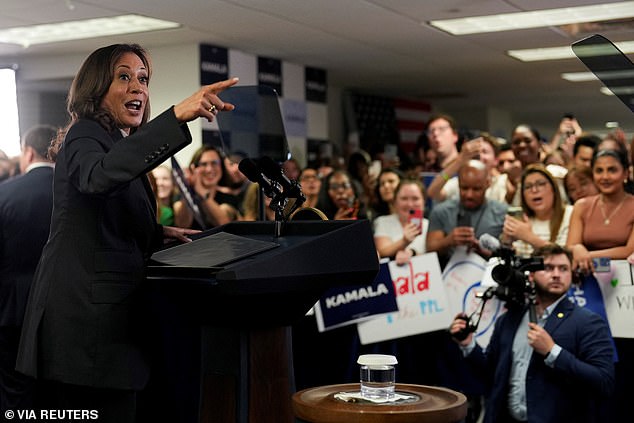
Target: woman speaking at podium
79 332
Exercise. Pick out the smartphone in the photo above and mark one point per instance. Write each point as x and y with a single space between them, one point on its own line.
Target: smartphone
464 219
516 212
416 217
601 264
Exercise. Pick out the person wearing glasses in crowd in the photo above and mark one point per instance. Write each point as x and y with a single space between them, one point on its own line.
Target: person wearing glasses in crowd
311 184
442 133
484 148
545 219
207 170
338 198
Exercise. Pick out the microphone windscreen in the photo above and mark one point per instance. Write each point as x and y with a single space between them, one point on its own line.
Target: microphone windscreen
489 242
270 169
249 169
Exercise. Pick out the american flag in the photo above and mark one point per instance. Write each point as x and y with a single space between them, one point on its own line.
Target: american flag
387 120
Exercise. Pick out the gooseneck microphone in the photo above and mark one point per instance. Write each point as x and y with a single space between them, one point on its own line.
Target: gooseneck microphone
251 170
274 172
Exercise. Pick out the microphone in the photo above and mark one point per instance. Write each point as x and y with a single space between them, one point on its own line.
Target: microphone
274 172
489 242
255 174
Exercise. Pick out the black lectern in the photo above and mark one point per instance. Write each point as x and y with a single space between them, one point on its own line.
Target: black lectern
224 354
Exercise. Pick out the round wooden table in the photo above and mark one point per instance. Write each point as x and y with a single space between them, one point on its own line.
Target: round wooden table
434 405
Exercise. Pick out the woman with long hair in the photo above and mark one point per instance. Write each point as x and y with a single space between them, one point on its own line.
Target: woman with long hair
80 333
401 235
545 219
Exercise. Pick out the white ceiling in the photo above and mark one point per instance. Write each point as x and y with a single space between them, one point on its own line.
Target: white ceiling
378 46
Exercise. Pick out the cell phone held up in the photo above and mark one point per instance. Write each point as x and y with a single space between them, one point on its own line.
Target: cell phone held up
516 212
416 217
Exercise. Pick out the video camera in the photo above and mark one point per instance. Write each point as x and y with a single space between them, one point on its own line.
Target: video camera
511 275
513 286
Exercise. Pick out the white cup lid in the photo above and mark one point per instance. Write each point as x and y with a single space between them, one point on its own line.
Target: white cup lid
376 360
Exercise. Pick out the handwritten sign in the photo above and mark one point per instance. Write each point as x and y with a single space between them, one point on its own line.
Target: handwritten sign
617 290
421 298
463 281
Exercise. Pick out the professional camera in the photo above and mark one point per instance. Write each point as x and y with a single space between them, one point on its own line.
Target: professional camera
511 276
514 286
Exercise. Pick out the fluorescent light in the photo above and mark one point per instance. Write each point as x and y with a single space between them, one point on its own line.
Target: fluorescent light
79 30
535 19
578 76
617 90
603 76
556 53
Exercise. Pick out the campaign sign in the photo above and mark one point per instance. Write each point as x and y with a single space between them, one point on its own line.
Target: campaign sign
612 294
422 302
344 305
464 282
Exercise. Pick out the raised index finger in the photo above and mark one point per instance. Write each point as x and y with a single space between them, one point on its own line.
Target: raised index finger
219 87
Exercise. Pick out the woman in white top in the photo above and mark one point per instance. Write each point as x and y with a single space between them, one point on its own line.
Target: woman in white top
546 218
398 235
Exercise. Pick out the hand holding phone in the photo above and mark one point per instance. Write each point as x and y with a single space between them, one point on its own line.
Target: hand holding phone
416 217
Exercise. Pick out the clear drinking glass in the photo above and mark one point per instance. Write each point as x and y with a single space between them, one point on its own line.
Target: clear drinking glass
377 375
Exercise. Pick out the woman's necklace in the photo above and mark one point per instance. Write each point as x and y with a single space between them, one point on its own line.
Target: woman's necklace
606 219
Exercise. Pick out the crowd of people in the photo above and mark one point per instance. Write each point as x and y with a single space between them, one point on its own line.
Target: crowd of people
573 191
568 198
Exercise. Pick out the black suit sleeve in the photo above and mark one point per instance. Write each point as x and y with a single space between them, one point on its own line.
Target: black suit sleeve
97 164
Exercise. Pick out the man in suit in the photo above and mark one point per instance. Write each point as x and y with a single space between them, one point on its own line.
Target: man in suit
554 370
26 202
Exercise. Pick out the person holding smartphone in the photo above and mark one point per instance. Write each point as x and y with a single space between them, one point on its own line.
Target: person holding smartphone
401 235
545 216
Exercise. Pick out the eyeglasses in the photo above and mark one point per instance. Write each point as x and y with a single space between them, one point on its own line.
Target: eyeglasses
430 131
308 177
212 163
344 185
539 185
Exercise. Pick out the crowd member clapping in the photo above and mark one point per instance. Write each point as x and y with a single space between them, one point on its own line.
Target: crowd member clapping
207 169
401 235
546 218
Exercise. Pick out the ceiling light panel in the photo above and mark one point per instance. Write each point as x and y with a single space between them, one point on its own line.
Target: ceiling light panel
82 29
535 19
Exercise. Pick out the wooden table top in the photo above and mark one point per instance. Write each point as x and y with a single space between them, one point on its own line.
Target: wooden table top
434 405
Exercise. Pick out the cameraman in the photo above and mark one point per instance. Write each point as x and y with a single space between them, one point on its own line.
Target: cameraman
555 370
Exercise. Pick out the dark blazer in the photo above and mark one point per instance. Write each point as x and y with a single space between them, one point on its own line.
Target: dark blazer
583 373
80 325
26 203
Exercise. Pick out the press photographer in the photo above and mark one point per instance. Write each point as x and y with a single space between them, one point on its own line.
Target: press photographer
555 370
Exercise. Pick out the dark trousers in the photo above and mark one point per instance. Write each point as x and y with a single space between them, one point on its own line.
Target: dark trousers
110 405
16 389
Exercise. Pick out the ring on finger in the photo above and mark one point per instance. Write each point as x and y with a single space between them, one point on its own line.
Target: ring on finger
213 109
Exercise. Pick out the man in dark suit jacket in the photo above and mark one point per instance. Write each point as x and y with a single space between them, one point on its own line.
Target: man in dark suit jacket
26 202
555 370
